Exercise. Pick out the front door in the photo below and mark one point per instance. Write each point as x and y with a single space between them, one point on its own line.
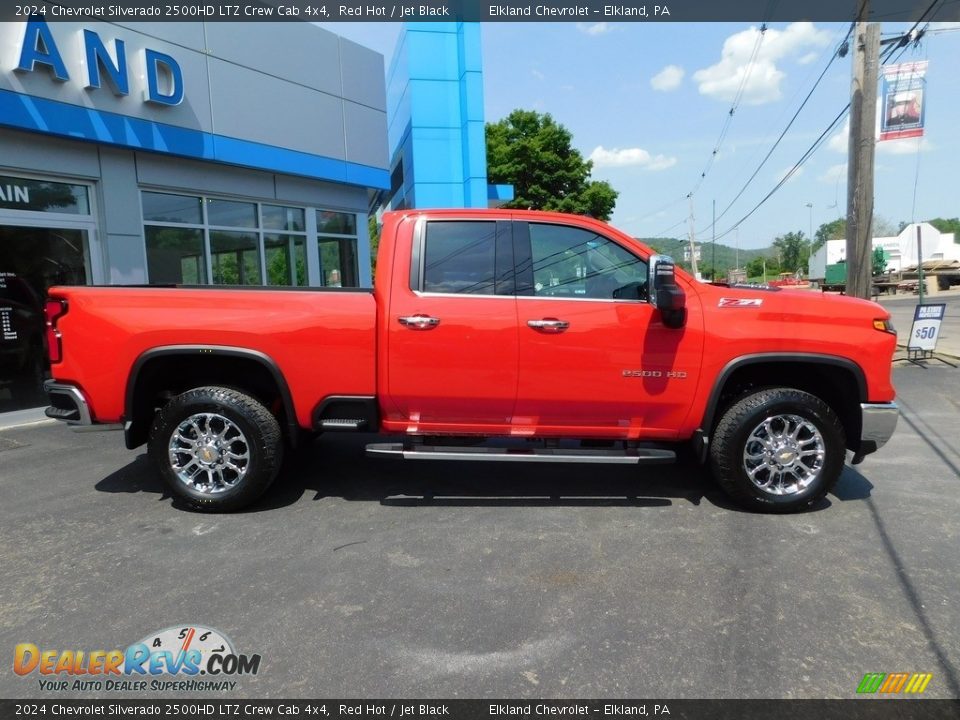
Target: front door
595 359
452 332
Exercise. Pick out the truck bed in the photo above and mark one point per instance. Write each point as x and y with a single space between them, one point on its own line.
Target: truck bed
323 340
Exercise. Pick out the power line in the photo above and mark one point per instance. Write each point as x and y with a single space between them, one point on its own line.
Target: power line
840 51
660 209
666 230
806 156
906 37
796 114
821 139
737 99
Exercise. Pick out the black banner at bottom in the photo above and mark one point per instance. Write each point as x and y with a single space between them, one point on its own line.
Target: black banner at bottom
872 708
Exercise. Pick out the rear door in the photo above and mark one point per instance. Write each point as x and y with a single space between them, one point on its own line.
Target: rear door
452 330
595 358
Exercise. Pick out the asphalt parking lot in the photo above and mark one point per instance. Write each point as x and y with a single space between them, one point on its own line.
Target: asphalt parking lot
364 578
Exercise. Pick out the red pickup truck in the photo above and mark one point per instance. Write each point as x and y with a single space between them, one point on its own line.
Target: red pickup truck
489 335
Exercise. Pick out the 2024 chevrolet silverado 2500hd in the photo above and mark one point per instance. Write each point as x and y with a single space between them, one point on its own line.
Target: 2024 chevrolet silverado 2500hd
489 335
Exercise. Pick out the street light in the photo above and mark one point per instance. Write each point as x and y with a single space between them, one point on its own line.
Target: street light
810 207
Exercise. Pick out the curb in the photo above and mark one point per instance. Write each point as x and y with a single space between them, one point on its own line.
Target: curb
24 418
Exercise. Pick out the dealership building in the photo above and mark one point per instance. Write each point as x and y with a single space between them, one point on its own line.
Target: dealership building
179 153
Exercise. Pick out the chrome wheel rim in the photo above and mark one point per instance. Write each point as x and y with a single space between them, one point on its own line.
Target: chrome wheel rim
209 453
784 454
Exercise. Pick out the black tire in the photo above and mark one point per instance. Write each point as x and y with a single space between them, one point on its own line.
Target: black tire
229 486
736 428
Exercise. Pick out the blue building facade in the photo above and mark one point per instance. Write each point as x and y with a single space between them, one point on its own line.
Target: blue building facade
179 153
435 119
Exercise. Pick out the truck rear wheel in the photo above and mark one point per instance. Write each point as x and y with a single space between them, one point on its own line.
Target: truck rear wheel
217 449
778 450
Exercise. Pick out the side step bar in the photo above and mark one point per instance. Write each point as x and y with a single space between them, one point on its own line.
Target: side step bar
343 423
633 456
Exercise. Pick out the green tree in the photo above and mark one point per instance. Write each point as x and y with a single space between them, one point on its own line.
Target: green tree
945 225
835 230
374 231
755 268
533 153
883 227
793 250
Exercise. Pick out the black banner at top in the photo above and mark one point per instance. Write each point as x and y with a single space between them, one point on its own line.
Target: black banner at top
480 10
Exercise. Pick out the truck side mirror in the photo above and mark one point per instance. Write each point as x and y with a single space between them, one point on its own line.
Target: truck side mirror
665 294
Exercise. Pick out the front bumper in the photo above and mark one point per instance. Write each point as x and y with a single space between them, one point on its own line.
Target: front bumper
877 423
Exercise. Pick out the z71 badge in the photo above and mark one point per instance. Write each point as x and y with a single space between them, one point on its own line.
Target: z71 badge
740 302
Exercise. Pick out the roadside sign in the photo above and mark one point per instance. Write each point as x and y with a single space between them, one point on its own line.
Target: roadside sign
926 327
903 101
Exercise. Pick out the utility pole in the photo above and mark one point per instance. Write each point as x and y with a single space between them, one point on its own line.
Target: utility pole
736 235
693 244
714 242
863 106
920 287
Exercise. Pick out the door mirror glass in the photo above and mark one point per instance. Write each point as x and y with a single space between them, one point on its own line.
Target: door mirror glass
665 294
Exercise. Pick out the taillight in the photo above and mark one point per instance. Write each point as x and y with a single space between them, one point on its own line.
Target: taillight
54 310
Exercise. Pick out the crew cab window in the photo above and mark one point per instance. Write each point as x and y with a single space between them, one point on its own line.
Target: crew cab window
571 262
460 257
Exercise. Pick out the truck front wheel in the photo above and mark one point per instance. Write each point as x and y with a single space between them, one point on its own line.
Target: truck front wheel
778 450
217 449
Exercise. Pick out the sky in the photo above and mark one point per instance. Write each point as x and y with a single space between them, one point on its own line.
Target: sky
649 102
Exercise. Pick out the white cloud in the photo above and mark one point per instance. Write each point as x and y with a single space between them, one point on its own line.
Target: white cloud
537 74
907 146
944 26
667 79
638 157
834 173
808 58
594 28
839 143
722 80
783 173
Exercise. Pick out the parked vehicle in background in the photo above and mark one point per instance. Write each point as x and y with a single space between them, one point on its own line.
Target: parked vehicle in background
489 335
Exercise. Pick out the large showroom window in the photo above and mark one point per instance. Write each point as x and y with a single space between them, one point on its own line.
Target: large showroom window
197 240
337 242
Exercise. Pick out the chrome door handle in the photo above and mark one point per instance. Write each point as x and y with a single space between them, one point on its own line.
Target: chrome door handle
549 325
419 322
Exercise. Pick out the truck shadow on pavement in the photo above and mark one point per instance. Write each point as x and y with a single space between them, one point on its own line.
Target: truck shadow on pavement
336 467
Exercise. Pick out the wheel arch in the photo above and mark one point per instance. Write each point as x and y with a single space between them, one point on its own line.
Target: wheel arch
838 381
252 371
